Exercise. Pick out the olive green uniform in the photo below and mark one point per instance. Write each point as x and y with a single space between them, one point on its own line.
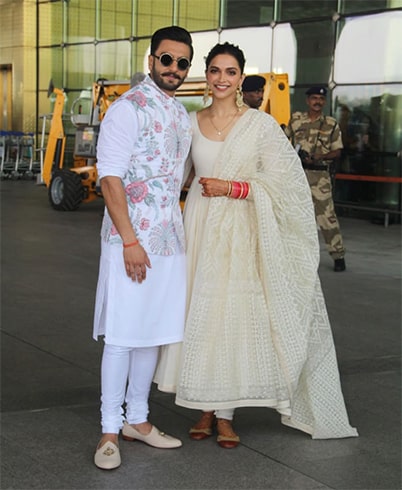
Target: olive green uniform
320 137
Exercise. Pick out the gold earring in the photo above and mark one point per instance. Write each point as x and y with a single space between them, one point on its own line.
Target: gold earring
239 98
205 97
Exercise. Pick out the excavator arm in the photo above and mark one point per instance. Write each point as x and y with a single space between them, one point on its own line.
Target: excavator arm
54 155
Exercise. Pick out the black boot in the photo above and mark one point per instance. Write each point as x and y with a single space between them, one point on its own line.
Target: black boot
339 265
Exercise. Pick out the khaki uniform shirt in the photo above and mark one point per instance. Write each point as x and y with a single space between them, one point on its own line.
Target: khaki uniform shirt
315 137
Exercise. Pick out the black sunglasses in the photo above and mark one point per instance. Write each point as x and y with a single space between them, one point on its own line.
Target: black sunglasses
167 59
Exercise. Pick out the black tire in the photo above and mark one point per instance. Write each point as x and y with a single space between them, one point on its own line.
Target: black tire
65 190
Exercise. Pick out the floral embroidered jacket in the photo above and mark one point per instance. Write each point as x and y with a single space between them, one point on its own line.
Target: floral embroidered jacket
145 139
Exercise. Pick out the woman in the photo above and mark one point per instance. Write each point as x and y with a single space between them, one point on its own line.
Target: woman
257 331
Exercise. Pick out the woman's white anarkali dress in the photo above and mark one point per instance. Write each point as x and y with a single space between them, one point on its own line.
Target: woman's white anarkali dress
257 330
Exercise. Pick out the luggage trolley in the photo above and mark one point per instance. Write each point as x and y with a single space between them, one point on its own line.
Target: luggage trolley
16 152
10 153
3 145
13 154
26 165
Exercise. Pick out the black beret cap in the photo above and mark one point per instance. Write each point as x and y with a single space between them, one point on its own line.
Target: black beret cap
319 90
253 82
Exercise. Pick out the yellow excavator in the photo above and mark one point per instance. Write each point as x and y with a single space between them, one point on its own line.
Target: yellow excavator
69 187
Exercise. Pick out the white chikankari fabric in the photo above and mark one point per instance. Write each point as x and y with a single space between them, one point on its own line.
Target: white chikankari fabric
257 330
144 139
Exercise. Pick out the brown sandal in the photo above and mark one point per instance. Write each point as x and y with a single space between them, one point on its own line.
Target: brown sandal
227 438
203 428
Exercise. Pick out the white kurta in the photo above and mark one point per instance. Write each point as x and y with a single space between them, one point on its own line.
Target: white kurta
140 315
144 140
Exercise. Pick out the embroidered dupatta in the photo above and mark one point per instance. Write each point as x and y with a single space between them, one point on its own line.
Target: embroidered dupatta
257 329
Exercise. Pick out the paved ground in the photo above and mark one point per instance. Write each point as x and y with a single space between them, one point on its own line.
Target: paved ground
50 371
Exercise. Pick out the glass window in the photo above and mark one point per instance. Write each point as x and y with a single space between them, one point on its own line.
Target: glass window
355 6
113 60
140 56
315 42
46 103
256 43
202 43
153 15
50 23
292 10
284 52
368 193
253 12
367 108
370 117
80 66
198 15
50 68
368 49
115 19
81 20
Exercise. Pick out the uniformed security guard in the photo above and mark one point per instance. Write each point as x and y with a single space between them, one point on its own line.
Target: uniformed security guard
317 138
253 90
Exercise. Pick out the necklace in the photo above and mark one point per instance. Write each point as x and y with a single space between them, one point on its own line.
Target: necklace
220 131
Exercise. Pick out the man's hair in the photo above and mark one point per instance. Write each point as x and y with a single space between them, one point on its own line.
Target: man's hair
172 33
226 48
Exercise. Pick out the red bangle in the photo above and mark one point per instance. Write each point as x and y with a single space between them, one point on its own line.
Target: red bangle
132 244
246 190
240 190
236 190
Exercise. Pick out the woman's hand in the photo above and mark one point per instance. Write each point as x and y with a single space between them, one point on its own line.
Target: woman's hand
136 262
214 187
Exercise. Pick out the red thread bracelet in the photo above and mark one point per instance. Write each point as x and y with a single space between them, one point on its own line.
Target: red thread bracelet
132 244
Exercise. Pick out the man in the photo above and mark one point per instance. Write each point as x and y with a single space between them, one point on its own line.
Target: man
253 90
140 301
318 140
136 78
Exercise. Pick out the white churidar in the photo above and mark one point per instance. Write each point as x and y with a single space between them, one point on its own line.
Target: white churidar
118 364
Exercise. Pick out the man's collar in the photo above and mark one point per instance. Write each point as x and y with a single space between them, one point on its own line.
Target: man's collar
319 118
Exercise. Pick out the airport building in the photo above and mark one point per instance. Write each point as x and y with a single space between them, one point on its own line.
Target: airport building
350 46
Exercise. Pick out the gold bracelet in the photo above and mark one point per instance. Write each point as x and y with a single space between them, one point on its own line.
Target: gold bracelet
229 188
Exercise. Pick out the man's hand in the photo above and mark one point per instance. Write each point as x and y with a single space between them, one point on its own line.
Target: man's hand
136 261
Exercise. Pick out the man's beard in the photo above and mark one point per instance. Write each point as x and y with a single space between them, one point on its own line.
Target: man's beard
163 83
